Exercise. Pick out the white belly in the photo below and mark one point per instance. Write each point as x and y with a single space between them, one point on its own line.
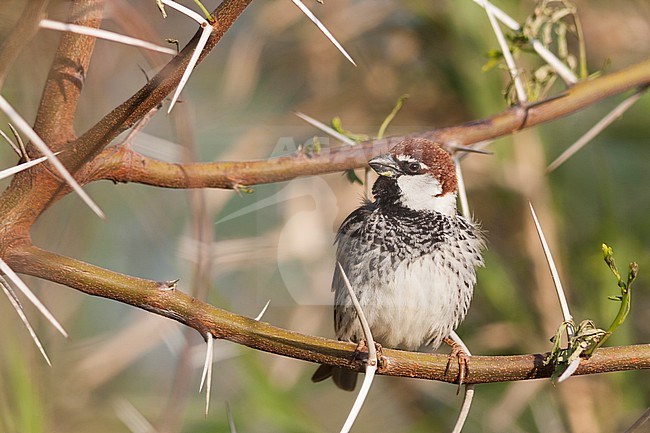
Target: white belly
423 302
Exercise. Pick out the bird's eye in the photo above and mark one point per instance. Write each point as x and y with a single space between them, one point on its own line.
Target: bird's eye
413 167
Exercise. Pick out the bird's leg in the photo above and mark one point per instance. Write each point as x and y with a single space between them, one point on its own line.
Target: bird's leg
361 344
380 356
463 360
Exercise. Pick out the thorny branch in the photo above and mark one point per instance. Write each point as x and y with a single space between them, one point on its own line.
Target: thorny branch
155 297
32 191
121 164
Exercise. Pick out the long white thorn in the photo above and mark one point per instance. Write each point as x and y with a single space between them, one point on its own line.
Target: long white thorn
131 417
564 305
104 34
499 14
203 39
20 167
4 267
259 316
326 129
185 11
21 144
231 420
207 30
551 59
554 273
371 366
208 387
562 70
13 145
138 127
468 395
456 338
569 370
507 55
595 130
370 342
478 147
19 309
636 427
206 377
361 398
462 192
24 127
323 29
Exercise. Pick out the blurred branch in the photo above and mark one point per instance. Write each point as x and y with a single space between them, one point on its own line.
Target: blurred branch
161 298
125 165
25 28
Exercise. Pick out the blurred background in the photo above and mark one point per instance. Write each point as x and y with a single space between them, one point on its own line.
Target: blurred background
240 250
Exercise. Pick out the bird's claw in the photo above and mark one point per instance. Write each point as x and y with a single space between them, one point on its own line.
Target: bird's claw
362 347
463 361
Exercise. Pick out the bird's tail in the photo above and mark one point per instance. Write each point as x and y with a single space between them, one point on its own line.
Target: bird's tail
342 377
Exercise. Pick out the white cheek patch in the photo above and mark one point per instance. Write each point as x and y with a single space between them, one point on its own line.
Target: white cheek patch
420 193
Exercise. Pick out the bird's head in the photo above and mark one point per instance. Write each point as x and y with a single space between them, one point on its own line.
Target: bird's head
417 174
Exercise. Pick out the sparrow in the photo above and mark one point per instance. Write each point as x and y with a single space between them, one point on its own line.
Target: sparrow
410 258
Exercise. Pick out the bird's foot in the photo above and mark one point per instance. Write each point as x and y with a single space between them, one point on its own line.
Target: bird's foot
463 360
362 347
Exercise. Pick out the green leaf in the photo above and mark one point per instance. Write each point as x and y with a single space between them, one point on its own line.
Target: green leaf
337 125
244 189
352 177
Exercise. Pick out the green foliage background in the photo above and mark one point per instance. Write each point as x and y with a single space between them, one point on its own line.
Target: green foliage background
239 105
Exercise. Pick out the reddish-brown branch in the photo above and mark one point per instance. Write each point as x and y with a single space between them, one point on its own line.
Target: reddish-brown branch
33 191
124 165
155 297
154 92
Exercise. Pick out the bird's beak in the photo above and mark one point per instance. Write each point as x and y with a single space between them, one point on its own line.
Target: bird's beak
385 165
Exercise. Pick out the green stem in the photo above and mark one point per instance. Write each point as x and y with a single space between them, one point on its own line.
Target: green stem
206 13
391 116
619 319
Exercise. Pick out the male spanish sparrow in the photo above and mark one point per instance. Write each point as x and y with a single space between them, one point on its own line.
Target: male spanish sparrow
410 258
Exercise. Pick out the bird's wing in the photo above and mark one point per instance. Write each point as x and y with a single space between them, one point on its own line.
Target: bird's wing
350 247
348 242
